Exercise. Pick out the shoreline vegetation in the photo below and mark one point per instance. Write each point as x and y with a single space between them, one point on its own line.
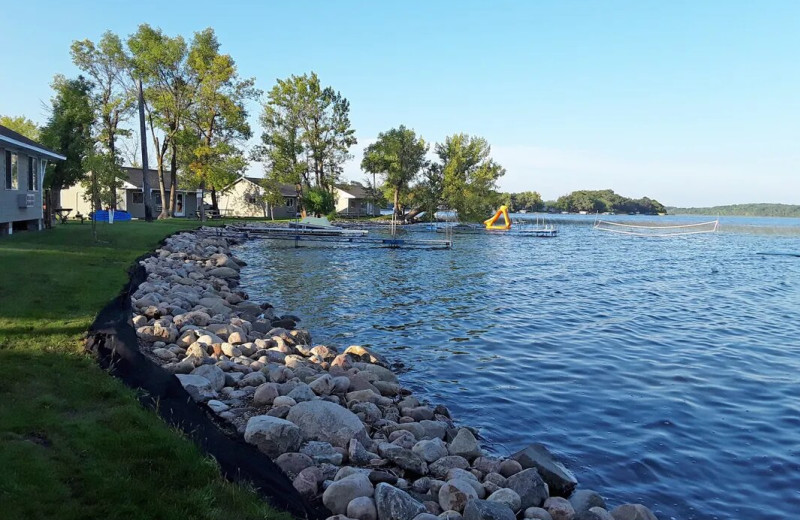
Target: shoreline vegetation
742 210
76 443
337 421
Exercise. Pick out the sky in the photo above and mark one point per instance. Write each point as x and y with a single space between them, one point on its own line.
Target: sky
693 103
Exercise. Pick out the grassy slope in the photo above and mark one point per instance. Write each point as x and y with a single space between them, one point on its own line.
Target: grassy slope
74 442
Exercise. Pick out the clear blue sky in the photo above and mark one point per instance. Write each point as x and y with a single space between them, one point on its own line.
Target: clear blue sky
690 102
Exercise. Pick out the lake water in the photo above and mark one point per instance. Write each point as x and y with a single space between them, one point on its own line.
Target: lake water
664 371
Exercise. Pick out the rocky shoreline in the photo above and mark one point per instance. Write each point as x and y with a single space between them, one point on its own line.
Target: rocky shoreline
338 423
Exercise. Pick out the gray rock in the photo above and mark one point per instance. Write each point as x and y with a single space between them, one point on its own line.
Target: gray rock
293 463
537 513
224 272
485 510
594 513
265 394
560 480
283 400
455 494
302 392
217 406
362 508
599 512
433 429
450 515
357 454
322 452
306 483
322 385
340 492
559 508
440 468
273 436
430 450
529 486
348 471
465 445
404 458
460 474
200 388
632 512
418 413
326 421
509 467
253 379
213 373
585 499
508 497
396 504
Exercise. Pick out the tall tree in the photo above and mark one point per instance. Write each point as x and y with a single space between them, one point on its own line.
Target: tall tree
398 155
69 131
217 115
307 133
469 176
21 125
107 65
161 62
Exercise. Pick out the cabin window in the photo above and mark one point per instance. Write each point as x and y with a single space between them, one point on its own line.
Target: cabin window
137 197
289 202
33 167
12 171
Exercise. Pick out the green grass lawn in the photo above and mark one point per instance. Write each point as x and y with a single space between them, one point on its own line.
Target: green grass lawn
74 441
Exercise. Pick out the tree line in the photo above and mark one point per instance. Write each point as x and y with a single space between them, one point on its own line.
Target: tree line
195 107
602 201
743 210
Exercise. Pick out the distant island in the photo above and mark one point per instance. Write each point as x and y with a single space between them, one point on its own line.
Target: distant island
742 210
604 201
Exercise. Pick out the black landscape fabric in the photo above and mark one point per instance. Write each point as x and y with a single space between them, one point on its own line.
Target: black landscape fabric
112 339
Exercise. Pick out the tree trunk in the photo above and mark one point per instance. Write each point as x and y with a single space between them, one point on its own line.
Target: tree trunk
162 189
214 202
173 181
202 201
397 204
112 150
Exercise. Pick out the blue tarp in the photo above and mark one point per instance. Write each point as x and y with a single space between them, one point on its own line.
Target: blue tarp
119 216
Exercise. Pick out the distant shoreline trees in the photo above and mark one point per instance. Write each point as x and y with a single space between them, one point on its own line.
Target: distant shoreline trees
603 201
742 210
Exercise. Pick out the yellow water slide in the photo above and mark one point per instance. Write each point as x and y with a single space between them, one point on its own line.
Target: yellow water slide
492 222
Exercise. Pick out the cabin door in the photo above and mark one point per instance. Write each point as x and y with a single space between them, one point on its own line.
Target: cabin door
180 207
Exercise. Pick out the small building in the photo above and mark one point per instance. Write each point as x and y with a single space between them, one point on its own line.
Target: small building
354 200
23 163
132 198
244 198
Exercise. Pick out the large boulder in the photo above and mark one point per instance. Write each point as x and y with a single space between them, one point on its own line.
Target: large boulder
325 421
560 480
396 504
224 272
465 445
440 468
340 492
486 510
530 487
430 450
362 508
272 435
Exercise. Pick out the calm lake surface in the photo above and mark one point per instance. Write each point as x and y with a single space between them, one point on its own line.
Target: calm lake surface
664 371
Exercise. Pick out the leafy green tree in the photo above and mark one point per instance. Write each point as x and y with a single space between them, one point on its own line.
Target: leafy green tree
271 194
529 201
103 179
107 65
426 195
319 201
69 132
470 176
217 115
21 125
161 62
307 132
398 155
